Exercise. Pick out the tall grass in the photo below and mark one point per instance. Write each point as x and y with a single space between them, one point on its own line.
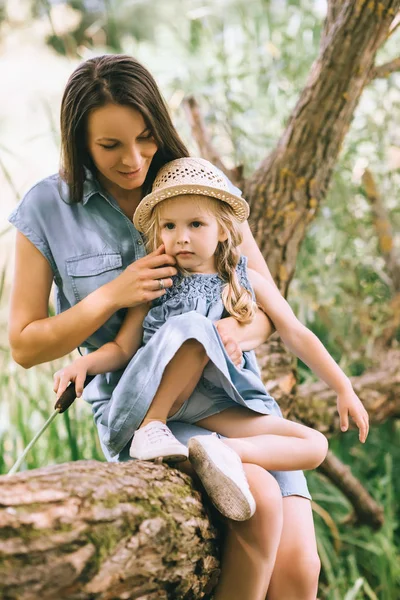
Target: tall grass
27 399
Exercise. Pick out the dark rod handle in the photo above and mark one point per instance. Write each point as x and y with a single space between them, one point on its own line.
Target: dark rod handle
68 397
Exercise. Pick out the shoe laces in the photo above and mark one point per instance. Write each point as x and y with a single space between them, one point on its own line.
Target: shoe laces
157 434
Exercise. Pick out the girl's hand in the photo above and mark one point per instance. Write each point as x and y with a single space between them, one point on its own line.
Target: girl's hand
229 332
349 403
144 280
76 372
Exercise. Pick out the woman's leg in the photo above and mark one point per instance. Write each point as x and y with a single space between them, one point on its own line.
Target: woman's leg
178 382
297 566
250 547
271 442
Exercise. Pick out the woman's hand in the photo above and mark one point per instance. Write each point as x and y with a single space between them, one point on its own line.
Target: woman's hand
144 280
238 338
76 372
229 332
349 403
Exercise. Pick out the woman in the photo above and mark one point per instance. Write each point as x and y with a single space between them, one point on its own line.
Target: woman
77 230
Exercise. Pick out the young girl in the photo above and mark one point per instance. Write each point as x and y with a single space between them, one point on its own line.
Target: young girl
181 369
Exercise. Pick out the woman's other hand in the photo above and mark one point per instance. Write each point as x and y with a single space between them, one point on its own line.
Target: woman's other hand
230 334
238 338
144 280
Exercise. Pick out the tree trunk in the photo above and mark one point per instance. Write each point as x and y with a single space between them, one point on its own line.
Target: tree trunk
105 531
286 190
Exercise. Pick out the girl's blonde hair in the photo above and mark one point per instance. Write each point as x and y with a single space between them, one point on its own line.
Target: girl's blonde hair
237 300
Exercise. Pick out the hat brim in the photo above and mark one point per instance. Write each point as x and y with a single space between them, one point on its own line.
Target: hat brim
142 214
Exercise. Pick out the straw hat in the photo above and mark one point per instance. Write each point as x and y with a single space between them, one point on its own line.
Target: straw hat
189 176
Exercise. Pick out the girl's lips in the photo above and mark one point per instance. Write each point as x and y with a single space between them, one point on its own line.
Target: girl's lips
185 253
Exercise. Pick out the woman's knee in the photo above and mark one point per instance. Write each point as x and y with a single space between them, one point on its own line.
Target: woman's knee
265 527
300 569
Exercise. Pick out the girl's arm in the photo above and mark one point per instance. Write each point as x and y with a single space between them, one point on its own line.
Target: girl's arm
110 357
304 344
36 338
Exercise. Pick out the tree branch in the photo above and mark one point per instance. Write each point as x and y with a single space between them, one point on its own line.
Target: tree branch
203 139
366 510
383 71
383 228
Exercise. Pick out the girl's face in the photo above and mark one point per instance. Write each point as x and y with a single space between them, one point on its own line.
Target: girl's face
190 232
121 146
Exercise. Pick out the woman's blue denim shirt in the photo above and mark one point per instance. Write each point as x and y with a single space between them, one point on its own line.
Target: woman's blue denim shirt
87 244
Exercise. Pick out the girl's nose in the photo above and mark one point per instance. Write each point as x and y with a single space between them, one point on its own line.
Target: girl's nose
183 237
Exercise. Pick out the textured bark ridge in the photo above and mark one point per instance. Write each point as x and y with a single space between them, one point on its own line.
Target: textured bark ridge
98 531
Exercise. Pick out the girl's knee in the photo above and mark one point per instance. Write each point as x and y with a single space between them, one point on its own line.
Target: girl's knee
321 446
194 346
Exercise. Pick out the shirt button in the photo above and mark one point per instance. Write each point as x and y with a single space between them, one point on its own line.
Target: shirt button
140 242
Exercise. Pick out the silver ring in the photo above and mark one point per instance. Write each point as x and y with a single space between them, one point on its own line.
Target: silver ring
161 284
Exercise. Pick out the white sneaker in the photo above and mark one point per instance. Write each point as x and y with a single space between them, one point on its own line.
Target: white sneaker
221 472
156 440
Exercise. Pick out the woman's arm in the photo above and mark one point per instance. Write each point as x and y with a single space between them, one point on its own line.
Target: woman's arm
36 338
254 257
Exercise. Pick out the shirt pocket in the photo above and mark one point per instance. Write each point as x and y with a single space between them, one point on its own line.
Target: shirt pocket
88 272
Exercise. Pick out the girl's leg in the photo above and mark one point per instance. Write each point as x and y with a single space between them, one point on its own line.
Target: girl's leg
271 442
297 566
178 382
250 547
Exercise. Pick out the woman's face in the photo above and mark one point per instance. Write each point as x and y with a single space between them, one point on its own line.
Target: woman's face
121 145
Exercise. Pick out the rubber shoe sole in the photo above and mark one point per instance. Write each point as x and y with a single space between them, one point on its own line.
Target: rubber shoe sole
224 493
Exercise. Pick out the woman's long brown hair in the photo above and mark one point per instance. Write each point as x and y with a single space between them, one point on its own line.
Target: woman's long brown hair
118 79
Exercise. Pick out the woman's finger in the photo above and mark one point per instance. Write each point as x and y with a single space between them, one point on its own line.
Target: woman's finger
155 285
161 273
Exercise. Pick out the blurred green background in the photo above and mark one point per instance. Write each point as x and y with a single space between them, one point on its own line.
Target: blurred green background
246 61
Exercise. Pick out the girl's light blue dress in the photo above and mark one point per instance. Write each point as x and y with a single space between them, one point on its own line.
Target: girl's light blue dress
90 243
187 311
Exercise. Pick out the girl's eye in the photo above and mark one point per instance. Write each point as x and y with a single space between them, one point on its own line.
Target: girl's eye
196 224
109 147
169 226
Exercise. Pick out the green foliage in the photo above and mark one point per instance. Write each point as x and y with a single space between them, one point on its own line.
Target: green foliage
359 563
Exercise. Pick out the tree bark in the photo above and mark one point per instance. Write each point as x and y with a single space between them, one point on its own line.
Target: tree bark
102 531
